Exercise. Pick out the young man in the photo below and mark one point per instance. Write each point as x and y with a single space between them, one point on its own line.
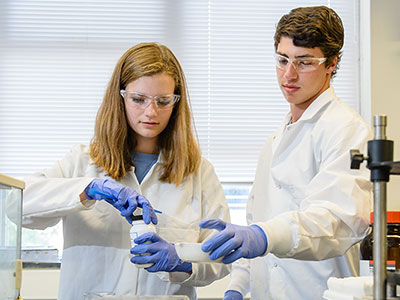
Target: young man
307 208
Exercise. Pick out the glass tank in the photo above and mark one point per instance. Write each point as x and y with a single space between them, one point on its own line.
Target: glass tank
10 237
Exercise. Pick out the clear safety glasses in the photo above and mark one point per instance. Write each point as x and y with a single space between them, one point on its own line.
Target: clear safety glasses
141 101
301 65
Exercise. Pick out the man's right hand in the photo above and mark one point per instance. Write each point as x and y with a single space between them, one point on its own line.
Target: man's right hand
234 241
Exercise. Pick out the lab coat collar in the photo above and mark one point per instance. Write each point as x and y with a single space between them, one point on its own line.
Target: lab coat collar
160 158
326 97
131 173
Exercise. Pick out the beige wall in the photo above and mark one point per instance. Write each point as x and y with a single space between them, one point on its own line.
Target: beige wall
385 78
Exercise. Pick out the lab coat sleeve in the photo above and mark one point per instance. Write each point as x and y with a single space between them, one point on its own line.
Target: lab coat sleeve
240 277
333 216
240 274
214 205
54 192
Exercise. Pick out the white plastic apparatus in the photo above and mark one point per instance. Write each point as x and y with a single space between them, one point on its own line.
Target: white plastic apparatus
191 252
138 228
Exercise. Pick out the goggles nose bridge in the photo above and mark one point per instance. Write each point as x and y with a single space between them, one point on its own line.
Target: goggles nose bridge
294 64
150 100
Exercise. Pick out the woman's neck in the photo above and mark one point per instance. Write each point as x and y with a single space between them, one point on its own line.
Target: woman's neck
145 145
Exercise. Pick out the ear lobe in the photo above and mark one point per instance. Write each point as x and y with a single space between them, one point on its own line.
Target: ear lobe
332 66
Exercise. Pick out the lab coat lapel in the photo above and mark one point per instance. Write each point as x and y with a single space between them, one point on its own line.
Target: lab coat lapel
277 135
287 133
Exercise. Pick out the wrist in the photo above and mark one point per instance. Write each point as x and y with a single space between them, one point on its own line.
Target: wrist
262 237
184 267
83 197
85 201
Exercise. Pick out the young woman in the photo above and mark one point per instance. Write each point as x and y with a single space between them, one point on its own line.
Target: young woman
143 154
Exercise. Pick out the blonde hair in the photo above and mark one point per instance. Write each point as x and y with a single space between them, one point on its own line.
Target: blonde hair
113 140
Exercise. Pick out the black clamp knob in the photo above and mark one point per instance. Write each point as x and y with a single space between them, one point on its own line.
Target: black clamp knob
356 158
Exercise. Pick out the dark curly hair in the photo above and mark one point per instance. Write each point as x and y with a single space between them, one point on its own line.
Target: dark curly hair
315 26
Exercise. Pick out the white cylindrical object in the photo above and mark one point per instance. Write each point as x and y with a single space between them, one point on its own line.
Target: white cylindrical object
138 228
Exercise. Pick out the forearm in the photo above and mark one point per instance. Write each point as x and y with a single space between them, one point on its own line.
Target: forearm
51 197
313 234
240 277
201 275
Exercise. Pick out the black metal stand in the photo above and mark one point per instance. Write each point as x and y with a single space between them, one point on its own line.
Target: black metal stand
380 162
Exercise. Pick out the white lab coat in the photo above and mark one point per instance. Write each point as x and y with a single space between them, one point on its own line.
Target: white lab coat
311 205
96 253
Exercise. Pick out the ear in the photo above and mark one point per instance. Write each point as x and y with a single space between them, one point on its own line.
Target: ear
332 66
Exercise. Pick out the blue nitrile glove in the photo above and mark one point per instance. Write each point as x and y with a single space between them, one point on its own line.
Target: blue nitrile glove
234 241
162 254
232 295
123 198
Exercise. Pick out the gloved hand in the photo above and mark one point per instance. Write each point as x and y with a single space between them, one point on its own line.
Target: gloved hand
162 254
123 198
232 295
234 241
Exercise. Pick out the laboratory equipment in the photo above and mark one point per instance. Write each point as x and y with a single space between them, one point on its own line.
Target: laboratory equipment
138 228
191 252
155 297
96 295
10 237
392 237
380 162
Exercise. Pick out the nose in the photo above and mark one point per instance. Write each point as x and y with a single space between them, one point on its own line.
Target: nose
151 109
291 72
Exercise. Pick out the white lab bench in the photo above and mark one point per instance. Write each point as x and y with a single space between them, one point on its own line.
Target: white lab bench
42 284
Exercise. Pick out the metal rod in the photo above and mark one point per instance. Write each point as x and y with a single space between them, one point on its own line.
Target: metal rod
380 122
380 246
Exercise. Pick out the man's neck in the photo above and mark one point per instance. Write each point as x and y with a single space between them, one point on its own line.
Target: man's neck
297 110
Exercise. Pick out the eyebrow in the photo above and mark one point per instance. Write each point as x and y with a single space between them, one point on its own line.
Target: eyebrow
138 93
298 56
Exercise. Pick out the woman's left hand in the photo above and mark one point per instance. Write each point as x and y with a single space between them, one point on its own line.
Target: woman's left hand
159 252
